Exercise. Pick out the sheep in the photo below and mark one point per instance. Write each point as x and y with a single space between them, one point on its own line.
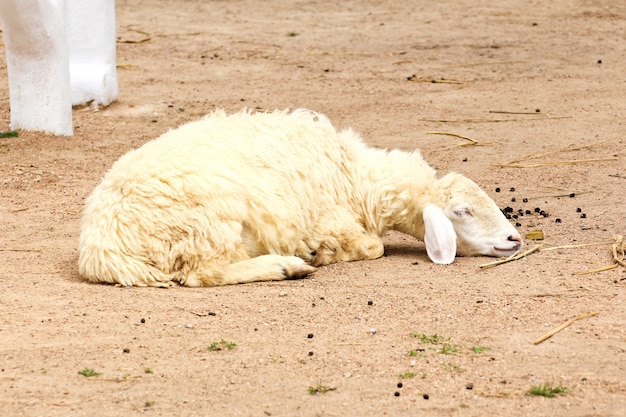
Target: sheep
249 197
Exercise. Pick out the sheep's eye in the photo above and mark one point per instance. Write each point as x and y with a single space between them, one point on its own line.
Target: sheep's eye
463 212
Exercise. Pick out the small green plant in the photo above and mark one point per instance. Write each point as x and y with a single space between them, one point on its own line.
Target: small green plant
150 403
88 372
546 390
419 353
450 367
479 349
448 349
433 339
222 344
407 375
321 389
9 134
148 371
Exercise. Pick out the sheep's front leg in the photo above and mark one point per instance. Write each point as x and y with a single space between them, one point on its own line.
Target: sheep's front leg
354 249
261 268
346 240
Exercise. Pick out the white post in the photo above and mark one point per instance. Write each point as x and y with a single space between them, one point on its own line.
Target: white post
59 53
91 41
38 65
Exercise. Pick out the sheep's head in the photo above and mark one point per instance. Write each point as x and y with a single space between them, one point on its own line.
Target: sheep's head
468 222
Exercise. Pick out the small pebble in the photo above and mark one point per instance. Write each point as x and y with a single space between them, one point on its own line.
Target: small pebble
512 189
579 210
525 200
311 353
513 200
583 216
528 212
558 220
126 350
370 303
372 331
518 225
469 386
599 61
537 209
188 326
572 195
537 110
309 336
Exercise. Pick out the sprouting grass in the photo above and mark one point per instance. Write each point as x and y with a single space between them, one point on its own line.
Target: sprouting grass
88 372
407 375
419 353
479 349
222 344
448 349
433 339
148 371
546 390
9 134
321 389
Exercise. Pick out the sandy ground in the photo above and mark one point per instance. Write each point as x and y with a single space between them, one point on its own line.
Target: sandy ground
394 71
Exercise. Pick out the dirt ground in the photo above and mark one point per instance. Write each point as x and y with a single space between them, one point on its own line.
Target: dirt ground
532 81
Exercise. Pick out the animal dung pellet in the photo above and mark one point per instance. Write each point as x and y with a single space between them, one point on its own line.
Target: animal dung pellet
397 394
425 396
497 189
369 303
579 210
525 200
512 189
557 220
309 336
583 216
572 195
513 200
399 384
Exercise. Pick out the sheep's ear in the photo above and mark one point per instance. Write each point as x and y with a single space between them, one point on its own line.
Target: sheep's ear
439 237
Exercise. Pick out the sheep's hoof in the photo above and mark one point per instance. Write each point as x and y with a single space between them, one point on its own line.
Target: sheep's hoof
297 269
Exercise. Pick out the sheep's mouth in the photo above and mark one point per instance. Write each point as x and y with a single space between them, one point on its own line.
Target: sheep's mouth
506 251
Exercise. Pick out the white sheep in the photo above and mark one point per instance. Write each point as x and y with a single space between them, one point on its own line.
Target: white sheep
269 196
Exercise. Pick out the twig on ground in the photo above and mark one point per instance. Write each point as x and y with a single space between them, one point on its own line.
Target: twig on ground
534 119
550 163
582 245
472 142
563 326
513 257
536 113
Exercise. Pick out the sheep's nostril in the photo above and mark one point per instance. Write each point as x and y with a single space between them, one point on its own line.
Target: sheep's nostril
512 238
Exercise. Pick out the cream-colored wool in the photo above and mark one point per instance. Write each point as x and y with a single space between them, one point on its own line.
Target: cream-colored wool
267 196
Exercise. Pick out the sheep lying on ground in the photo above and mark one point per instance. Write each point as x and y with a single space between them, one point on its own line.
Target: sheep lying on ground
268 196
